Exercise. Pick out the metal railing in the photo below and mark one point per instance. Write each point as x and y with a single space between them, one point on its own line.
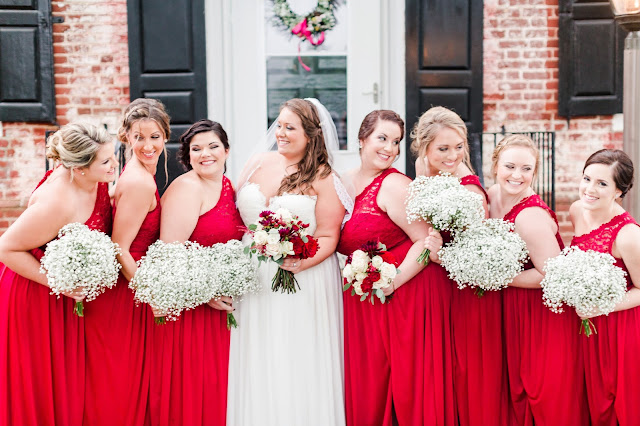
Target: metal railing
544 184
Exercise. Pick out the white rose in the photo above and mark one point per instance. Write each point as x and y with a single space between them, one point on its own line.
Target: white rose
360 255
284 214
286 248
273 250
388 271
360 276
273 237
348 273
381 283
259 227
358 289
360 265
260 237
377 262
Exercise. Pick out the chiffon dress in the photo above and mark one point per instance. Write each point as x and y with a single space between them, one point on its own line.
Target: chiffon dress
42 344
398 360
116 329
479 364
544 360
611 356
190 357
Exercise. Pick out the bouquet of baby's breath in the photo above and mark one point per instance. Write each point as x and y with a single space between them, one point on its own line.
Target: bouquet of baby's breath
236 275
586 280
486 257
172 277
81 259
444 203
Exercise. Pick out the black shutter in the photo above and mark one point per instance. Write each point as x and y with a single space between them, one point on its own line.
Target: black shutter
26 61
444 60
590 59
167 61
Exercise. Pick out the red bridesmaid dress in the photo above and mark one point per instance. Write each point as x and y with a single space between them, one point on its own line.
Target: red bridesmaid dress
190 357
397 355
544 360
42 344
479 365
611 356
115 332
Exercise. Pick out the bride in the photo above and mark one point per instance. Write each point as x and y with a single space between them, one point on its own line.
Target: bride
285 363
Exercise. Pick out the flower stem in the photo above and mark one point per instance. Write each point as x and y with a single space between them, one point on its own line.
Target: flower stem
78 308
586 327
479 292
284 281
231 321
160 320
424 257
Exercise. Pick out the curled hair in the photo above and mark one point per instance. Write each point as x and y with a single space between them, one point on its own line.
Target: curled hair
76 145
428 127
511 141
369 123
200 126
315 161
621 167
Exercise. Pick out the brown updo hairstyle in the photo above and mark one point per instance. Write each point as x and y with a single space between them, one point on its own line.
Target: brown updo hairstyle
511 141
621 167
371 120
200 126
76 145
145 109
315 161
428 127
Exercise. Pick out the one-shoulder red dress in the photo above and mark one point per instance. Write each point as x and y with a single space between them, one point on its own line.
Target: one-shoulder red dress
115 329
544 360
190 357
42 344
611 356
479 365
397 355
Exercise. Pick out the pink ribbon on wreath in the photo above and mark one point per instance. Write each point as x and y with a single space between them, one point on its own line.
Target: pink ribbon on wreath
301 30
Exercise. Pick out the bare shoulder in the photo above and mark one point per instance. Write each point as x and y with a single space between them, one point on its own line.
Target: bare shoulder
186 182
394 182
535 220
135 179
628 239
324 184
493 190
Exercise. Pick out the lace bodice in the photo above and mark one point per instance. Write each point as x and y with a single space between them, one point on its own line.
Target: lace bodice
368 222
222 223
533 201
149 231
602 238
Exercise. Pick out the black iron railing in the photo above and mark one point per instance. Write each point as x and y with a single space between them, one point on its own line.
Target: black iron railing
544 184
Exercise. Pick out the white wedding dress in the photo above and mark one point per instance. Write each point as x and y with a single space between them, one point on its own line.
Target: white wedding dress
285 365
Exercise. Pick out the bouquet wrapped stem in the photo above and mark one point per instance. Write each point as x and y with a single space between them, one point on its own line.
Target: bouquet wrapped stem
231 321
424 257
78 308
160 320
586 327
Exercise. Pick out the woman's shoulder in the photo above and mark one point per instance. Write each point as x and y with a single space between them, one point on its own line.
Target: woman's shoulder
188 181
134 178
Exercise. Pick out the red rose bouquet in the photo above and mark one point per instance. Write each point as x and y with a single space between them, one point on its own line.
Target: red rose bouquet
369 270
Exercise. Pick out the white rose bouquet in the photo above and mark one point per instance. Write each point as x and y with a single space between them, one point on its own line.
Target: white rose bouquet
81 259
444 203
236 275
487 256
277 235
589 281
369 270
173 277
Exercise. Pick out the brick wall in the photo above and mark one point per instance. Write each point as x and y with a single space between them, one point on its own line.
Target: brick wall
521 90
91 70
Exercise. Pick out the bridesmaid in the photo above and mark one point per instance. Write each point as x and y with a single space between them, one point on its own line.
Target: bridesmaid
117 373
397 355
190 357
544 363
42 344
479 368
601 224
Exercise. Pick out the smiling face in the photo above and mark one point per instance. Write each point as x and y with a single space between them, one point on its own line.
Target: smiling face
207 154
597 187
515 170
382 146
103 168
147 142
290 135
446 151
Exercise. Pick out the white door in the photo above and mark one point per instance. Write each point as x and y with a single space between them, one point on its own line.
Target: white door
253 67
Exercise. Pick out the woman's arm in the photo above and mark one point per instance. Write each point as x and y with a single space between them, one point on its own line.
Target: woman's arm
538 231
180 209
391 198
133 201
627 246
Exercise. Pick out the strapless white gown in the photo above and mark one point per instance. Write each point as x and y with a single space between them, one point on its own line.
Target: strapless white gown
285 365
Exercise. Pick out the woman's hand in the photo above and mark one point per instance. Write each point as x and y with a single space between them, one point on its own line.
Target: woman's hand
157 313
76 294
433 242
293 265
389 290
584 316
223 303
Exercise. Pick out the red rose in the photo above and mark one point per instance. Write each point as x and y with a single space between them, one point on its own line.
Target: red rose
389 258
310 247
373 276
367 285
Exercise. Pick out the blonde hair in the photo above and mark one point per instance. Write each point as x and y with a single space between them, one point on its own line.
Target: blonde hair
511 141
76 145
428 127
